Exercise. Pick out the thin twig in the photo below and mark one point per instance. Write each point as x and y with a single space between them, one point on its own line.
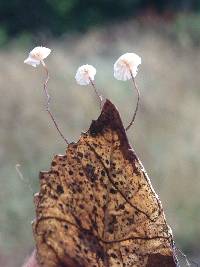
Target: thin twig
96 92
27 183
137 105
48 103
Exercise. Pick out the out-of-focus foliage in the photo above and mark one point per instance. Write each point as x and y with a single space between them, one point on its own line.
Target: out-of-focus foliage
187 29
56 17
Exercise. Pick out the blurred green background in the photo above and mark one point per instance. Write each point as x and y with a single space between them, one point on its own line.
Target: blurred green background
166 135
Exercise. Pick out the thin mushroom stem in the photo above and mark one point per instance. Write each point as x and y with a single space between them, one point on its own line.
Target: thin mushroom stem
96 92
48 103
138 100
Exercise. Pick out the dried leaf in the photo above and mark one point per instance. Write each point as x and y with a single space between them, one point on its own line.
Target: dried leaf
97 207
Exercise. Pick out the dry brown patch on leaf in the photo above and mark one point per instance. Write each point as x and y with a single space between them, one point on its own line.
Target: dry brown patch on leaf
96 206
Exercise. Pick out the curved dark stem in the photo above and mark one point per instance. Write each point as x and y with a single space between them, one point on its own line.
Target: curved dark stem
137 105
48 103
96 92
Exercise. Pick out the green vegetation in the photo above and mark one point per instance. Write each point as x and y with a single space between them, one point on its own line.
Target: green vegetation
187 29
56 17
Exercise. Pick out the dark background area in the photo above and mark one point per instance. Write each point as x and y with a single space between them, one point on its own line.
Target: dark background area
56 17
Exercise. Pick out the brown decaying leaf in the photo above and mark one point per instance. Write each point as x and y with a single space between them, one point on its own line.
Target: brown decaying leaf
97 207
